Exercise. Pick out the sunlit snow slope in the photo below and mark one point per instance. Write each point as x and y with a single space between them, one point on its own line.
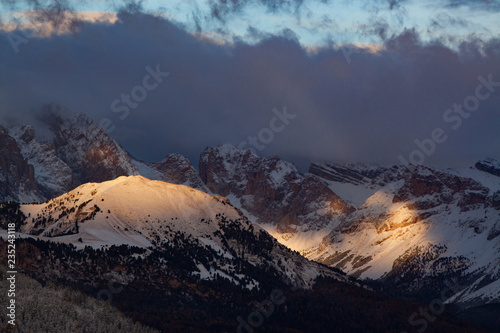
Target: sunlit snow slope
140 212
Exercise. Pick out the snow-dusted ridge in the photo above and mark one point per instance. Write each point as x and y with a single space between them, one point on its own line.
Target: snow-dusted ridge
422 229
370 221
136 211
126 206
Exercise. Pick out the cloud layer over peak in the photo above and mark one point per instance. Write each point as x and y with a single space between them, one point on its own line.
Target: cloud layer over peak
348 103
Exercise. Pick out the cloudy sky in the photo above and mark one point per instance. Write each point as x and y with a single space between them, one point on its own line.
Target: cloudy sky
309 80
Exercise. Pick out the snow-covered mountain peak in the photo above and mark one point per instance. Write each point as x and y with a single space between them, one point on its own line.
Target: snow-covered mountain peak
150 214
25 132
432 188
426 225
52 175
89 151
139 196
272 190
127 210
489 165
66 149
175 157
233 156
229 150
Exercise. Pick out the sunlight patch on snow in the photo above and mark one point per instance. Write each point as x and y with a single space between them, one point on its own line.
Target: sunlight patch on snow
297 241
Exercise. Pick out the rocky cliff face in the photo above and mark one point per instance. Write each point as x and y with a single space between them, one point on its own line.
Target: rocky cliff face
356 174
177 169
52 175
64 151
73 151
67 150
272 190
89 151
427 188
17 176
489 165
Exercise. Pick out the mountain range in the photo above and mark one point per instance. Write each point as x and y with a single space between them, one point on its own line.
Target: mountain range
407 231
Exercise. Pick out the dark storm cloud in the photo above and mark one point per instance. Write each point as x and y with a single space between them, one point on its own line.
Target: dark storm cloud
369 109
